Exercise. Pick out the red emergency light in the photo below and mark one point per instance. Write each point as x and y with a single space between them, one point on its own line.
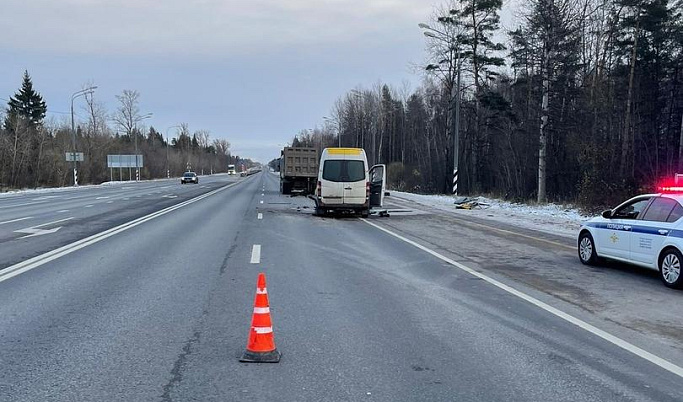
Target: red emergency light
670 189
671 186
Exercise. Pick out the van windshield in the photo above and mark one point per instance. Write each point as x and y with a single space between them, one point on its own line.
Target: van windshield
343 171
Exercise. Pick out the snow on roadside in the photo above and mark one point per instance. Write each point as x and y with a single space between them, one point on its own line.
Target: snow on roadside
562 220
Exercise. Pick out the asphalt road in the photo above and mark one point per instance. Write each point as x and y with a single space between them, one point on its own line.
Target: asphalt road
32 223
160 310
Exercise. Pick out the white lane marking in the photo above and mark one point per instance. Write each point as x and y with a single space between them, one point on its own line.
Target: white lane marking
260 215
262 194
46 197
110 202
24 204
16 220
24 266
35 231
255 254
652 358
261 202
62 211
169 196
101 198
52 223
88 206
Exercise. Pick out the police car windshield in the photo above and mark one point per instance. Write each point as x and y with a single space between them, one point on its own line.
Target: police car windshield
189 174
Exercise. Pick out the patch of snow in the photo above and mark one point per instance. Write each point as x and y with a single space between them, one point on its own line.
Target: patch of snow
562 220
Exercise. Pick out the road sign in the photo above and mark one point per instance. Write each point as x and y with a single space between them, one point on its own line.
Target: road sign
70 156
124 161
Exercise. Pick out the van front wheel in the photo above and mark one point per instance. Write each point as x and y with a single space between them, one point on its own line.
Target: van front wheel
365 213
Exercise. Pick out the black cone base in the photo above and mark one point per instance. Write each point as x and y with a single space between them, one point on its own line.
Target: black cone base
267 357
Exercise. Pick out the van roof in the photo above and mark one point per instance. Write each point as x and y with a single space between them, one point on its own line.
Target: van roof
344 151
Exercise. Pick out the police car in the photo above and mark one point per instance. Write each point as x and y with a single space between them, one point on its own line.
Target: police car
646 230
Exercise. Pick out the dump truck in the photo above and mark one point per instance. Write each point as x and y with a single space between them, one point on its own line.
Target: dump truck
298 170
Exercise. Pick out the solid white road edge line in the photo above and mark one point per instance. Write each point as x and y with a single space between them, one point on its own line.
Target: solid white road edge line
255 254
652 358
24 266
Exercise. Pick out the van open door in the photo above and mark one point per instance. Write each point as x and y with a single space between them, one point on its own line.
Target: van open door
378 179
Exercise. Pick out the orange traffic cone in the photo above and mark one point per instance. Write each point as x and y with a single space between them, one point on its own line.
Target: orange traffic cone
261 344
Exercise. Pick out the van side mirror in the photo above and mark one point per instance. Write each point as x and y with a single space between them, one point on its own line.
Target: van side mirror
607 214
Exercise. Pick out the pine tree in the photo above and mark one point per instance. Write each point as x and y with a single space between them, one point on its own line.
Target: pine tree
26 104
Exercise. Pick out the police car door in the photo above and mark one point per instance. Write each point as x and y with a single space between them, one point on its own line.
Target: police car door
614 238
649 234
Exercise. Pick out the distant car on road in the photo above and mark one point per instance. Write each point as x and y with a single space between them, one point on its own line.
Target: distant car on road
646 230
189 177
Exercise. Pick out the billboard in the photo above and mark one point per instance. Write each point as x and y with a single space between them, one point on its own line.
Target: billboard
124 161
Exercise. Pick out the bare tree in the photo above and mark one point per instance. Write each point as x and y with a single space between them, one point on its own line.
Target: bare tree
128 111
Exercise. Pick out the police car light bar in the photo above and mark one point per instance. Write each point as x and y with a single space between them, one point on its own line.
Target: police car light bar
670 189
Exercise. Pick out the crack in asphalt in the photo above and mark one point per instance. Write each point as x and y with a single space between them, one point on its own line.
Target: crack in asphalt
224 264
179 366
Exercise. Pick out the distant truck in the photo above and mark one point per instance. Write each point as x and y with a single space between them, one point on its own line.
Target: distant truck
231 170
298 170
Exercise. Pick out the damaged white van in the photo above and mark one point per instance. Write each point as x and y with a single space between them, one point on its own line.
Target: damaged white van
343 182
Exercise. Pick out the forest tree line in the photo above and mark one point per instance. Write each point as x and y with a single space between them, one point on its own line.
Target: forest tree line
33 149
580 102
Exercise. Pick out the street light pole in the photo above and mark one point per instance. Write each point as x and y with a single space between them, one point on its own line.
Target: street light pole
75 95
456 127
454 100
135 129
168 166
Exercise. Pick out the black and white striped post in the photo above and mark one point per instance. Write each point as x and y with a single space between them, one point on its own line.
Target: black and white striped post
455 181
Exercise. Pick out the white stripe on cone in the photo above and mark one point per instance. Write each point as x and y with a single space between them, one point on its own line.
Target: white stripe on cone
263 330
261 310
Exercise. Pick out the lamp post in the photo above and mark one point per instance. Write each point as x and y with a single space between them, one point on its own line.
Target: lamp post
135 129
168 166
454 101
75 95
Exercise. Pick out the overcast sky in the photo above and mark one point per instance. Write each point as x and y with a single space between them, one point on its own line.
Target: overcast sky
252 71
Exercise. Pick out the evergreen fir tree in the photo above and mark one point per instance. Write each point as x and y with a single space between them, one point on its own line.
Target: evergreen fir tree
26 104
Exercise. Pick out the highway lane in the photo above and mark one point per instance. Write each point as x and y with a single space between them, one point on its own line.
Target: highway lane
32 223
162 312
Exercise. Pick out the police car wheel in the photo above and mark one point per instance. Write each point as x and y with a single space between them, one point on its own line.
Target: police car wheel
587 253
670 268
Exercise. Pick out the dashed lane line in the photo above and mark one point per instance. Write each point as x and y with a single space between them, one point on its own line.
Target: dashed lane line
255 254
260 216
652 358
16 220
